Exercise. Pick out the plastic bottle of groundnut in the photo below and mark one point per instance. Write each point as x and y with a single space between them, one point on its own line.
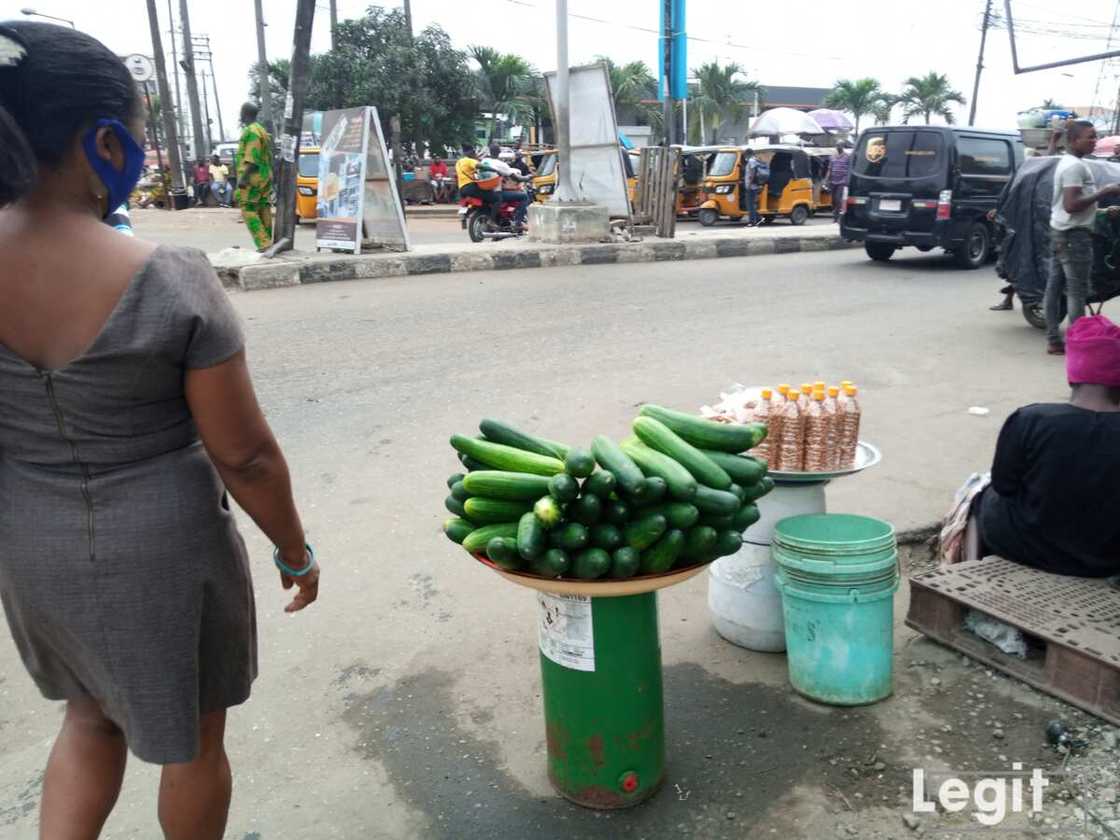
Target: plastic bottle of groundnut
832 412
774 433
850 417
792 454
805 397
761 414
816 434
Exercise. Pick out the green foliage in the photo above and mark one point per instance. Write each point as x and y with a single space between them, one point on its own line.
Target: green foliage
424 80
503 78
858 97
721 96
632 85
929 95
278 72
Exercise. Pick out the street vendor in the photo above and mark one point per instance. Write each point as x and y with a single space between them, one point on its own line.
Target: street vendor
1052 503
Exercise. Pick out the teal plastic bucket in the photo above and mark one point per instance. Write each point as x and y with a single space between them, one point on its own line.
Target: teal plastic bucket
838 575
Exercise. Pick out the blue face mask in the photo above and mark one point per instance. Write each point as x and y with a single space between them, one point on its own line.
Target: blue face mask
119 183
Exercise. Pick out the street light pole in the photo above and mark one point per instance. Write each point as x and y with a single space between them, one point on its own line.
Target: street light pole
199 148
264 83
980 61
33 13
166 114
564 189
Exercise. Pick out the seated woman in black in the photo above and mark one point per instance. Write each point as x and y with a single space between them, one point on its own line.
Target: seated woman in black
1054 500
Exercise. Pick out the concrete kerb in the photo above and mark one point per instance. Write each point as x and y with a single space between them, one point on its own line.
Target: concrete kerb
295 270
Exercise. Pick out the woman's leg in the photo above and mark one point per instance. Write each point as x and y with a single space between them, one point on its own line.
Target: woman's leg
83 775
194 797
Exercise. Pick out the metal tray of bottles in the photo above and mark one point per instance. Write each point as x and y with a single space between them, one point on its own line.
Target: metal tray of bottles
867 455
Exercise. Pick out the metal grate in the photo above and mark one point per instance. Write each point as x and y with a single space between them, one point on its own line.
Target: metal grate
1082 613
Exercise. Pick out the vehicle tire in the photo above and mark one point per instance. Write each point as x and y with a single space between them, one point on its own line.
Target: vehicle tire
476 225
1035 313
799 215
879 251
708 216
973 252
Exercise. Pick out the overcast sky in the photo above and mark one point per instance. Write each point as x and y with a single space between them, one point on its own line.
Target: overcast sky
809 42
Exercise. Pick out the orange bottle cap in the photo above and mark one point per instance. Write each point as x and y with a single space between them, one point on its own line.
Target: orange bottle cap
767 393
818 396
834 391
844 383
819 384
782 389
806 388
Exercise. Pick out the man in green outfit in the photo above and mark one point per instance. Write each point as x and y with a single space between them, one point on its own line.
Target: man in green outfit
254 177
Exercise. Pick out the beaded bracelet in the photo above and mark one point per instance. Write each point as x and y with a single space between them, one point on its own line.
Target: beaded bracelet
288 570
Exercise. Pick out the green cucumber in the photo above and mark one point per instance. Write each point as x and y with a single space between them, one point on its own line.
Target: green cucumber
590 564
606 536
587 510
579 462
738 492
503 457
720 523
708 434
499 432
453 480
625 562
563 488
700 541
455 506
552 564
459 491
616 512
681 483
486 511
657 436
678 514
728 542
532 539
663 554
499 484
746 516
644 532
477 539
457 529
503 552
743 469
655 491
611 458
548 512
471 464
570 537
716 502
601 484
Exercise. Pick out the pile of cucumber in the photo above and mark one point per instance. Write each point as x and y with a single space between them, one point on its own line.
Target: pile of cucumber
676 494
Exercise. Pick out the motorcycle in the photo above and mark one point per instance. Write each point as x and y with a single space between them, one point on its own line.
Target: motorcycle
475 219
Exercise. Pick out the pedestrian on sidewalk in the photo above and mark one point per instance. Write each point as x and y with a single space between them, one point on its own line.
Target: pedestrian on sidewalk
126 413
254 177
219 182
1073 212
752 186
838 170
201 176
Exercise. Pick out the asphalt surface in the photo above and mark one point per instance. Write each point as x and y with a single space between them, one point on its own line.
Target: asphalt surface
406 703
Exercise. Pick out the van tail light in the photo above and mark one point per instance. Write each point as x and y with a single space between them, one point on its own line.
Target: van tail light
923 204
944 205
856 200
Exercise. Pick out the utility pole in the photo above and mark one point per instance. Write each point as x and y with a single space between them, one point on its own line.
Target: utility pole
206 114
407 16
200 149
334 22
668 117
980 61
565 191
284 230
166 112
177 105
264 84
202 42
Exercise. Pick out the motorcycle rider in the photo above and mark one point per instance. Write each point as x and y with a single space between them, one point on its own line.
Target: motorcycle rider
467 173
518 197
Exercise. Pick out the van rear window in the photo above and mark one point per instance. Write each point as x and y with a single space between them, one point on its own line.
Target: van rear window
899 154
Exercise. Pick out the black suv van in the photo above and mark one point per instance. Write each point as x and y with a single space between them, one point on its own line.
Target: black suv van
930 187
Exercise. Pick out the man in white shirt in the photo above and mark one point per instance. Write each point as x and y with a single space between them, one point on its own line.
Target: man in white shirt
1073 210
521 198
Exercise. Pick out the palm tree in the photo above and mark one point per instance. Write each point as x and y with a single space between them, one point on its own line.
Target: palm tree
930 95
857 97
502 78
631 85
720 96
883 108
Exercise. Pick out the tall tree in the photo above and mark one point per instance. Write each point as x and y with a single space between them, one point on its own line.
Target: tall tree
930 95
722 96
423 79
502 77
858 97
631 86
883 108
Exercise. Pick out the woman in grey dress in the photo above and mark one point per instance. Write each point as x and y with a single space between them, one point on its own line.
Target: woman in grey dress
126 411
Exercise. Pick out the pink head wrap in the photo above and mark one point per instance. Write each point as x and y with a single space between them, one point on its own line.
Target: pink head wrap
1093 352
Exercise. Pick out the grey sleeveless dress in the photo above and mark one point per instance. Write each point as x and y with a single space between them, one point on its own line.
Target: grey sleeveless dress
122 574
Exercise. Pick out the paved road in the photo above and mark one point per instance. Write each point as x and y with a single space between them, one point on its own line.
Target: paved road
406 703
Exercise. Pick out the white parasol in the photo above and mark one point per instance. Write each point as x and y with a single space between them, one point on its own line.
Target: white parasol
784 121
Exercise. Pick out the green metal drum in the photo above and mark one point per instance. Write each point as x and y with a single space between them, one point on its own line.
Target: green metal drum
603 709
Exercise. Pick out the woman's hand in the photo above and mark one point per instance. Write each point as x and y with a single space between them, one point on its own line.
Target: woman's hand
308 584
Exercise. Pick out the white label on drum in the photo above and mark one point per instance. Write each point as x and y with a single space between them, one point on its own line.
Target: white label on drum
566 634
